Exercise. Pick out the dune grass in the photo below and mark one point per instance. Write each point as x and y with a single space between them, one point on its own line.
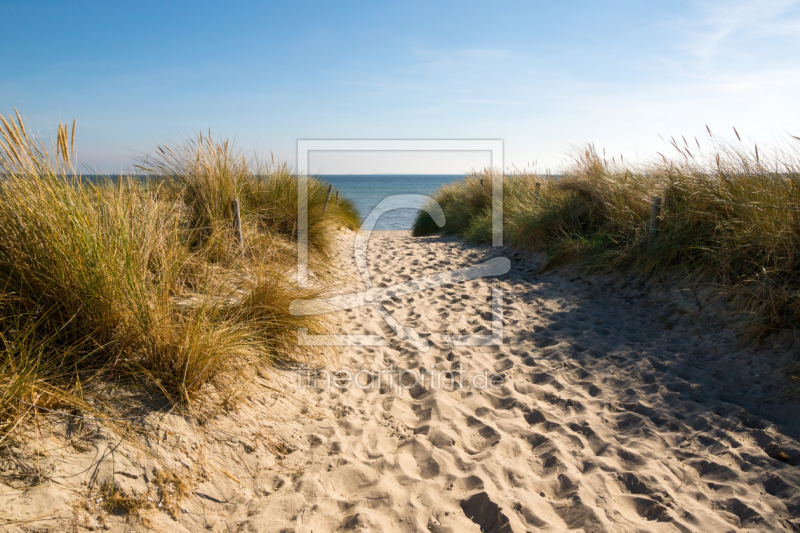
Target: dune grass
729 216
208 175
122 282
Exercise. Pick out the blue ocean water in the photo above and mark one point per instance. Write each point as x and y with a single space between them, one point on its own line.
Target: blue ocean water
366 191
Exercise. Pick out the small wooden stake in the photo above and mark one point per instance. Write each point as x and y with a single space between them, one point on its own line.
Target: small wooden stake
237 223
327 198
656 208
337 198
536 190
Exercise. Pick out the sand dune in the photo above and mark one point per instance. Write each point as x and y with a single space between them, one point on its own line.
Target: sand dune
614 412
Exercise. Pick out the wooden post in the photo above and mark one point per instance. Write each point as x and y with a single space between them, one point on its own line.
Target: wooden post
656 208
337 198
327 198
536 189
237 223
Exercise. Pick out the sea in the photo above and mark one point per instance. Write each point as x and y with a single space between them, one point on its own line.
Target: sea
367 190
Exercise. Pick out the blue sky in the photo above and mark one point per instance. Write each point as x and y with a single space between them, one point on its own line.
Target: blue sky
544 76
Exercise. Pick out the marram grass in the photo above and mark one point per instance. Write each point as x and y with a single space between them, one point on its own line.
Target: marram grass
207 176
144 284
729 215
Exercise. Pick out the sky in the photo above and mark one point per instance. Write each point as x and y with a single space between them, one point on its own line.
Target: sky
546 77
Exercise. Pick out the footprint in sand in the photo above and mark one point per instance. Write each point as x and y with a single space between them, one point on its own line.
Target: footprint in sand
601 422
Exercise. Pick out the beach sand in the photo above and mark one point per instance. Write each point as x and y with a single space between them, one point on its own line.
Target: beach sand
612 409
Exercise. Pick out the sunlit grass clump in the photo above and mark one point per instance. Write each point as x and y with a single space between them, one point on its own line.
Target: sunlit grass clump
729 216
207 176
146 283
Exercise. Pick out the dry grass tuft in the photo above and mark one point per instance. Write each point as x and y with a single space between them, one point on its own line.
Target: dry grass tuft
128 282
207 175
116 501
171 490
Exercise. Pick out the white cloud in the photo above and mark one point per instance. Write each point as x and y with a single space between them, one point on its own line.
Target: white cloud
730 27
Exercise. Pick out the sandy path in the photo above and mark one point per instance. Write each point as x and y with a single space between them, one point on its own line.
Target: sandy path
607 420
613 412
